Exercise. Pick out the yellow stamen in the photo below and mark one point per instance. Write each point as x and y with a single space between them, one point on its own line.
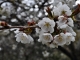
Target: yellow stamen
47 24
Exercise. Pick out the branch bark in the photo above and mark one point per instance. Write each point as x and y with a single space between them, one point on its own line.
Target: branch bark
9 27
66 52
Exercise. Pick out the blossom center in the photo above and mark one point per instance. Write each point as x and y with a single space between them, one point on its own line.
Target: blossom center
60 38
47 37
68 37
47 24
63 12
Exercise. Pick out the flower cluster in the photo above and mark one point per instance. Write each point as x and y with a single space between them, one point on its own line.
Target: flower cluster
53 31
47 31
57 32
23 37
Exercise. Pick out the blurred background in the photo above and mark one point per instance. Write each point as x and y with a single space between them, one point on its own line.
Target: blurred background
17 13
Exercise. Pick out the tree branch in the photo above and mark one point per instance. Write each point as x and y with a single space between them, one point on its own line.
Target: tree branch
66 52
24 27
73 51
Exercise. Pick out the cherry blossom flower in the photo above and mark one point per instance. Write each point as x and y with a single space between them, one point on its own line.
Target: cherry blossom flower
45 38
63 22
60 39
70 22
70 30
47 25
61 10
56 11
69 38
23 38
64 10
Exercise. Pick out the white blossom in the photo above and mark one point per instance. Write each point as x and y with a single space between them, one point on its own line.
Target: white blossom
47 25
23 38
56 11
69 38
61 10
70 30
60 39
64 10
61 22
70 22
45 38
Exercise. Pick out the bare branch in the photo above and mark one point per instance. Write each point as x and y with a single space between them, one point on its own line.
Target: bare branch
24 27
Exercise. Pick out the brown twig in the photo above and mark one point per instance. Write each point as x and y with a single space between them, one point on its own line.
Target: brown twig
9 27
